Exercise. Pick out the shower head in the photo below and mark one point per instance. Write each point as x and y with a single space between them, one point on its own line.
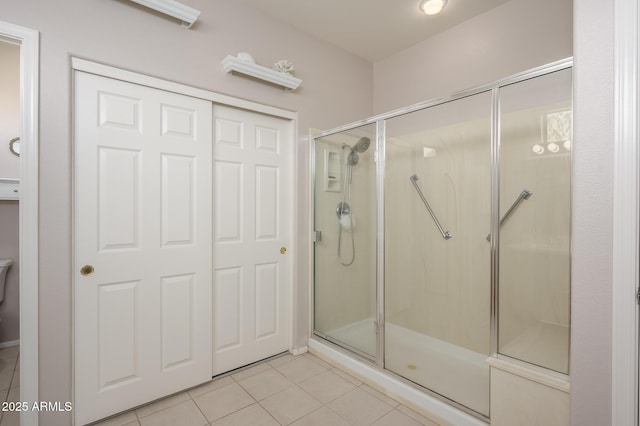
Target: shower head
362 145
359 147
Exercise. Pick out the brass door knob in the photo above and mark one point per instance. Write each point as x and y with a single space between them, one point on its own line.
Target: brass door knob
87 270
283 250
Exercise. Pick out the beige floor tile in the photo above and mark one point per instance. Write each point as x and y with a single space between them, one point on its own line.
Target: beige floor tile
210 386
416 416
13 394
346 376
5 380
10 352
184 414
147 410
396 418
251 371
10 418
300 369
281 360
253 415
326 386
8 365
124 419
265 384
15 380
382 397
318 360
321 417
290 405
359 407
224 401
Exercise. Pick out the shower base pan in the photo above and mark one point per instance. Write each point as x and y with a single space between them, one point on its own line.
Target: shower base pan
456 373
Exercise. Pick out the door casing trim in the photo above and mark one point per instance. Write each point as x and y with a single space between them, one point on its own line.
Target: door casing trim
29 42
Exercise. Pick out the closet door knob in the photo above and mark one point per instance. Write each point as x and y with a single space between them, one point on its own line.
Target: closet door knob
87 270
283 250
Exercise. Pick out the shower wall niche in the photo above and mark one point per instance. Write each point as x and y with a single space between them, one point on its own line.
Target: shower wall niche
456 250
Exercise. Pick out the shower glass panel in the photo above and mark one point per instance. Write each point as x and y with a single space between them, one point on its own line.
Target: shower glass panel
345 247
437 259
534 272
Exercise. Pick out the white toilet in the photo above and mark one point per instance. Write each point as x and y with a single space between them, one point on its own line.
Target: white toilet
4 266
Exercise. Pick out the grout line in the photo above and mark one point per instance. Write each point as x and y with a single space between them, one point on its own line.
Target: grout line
335 412
13 376
267 411
199 409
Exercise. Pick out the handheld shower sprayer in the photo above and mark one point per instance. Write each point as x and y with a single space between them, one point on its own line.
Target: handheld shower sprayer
344 210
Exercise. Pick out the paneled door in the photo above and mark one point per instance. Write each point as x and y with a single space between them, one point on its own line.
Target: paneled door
142 244
252 154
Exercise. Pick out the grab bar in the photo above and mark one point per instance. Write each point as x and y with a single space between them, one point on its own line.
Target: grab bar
445 234
524 195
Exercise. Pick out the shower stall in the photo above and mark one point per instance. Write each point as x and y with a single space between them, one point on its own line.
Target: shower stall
442 236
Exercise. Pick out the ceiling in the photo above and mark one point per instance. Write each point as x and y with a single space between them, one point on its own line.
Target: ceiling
371 29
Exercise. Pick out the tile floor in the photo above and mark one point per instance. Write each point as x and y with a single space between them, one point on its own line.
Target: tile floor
301 390
9 383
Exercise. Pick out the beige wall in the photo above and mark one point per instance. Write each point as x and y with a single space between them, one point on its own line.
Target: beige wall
9 168
513 37
592 180
337 87
9 107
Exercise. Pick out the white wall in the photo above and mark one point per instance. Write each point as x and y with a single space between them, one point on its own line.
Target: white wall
9 168
122 34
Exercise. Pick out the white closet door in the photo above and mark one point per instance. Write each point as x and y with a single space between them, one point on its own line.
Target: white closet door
251 275
142 200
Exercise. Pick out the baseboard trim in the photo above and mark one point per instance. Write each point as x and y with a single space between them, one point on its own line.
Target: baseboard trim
299 351
9 344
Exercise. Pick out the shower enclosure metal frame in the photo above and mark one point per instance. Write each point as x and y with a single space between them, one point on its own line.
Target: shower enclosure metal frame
495 220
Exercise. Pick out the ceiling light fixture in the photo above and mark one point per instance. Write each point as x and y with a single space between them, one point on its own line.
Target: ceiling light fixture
432 7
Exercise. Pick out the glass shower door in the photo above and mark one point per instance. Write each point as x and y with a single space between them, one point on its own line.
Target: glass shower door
437 257
345 246
535 156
